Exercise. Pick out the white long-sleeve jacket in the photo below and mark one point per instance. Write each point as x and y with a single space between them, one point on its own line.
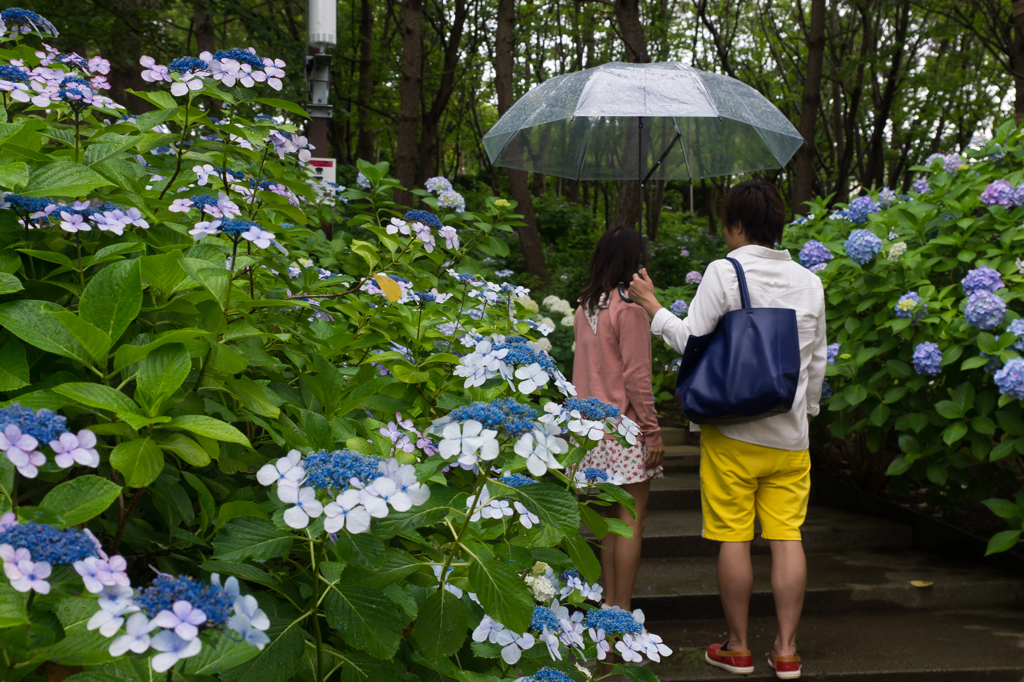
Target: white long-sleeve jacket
774 280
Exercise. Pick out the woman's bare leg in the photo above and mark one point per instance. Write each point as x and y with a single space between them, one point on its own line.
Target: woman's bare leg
626 551
608 561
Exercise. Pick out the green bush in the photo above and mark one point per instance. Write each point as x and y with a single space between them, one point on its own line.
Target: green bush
955 427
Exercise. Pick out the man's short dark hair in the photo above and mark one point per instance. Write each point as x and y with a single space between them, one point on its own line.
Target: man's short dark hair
757 207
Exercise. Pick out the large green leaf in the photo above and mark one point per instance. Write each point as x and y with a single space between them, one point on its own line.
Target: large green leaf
98 396
12 607
29 321
80 499
127 354
290 107
278 661
366 618
211 428
108 146
243 571
186 448
9 283
582 557
80 645
63 179
94 340
13 366
140 460
554 505
250 537
1002 542
113 298
441 626
161 373
502 592
162 271
14 174
398 565
224 654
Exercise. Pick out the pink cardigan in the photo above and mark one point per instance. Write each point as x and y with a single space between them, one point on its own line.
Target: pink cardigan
614 365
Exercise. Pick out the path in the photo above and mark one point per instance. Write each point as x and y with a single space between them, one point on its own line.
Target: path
863 620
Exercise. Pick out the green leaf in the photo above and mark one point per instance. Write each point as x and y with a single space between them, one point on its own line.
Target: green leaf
855 394
880 414
63 179
127 354
973 363
283 104
95 341
502 593
80 499
441 626
249 537
237 509
224 654
318 430
954 433
12 607
80 646
1003 449
98 396
398 565
9 283
207 507
14 174
278 661
554 506
13 366
1004 509
937 474
366 618
253 398
898 466
949 409
409 376
582 557
1001 542
243 571
140 460
150 119
29 321
109 146
161 373
186 448
209 427
113 298
162 271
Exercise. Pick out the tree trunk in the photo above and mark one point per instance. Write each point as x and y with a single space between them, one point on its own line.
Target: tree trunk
711 204
204 27
365 140
657 200
803 163
842 187
539 184
1018 59
409 91
432 117
529 238
627 14
875 171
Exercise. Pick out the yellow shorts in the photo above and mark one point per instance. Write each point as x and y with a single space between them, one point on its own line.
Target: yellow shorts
737 478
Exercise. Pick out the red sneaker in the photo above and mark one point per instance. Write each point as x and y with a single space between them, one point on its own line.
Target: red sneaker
738 662
785 667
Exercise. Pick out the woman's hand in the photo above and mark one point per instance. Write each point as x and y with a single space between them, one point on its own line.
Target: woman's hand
655 455
641 290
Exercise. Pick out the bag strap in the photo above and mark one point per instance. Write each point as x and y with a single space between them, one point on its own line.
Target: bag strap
744 294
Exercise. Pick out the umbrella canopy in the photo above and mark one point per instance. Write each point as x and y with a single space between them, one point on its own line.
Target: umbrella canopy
662 121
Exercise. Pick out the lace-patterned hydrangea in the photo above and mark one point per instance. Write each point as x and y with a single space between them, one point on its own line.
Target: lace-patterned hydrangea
862 246
26 21
985 310
999 193
546 674
22 432
927 359
437 184
982 279
424 217
1010 379
814 253
505 414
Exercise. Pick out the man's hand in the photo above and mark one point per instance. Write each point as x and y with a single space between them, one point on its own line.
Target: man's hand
641 290
655 455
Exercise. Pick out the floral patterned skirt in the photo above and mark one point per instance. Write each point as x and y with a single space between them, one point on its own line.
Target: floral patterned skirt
627 463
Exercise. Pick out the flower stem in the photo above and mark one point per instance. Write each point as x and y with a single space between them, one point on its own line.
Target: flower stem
234 254
181 148
316 613
81 272
477 487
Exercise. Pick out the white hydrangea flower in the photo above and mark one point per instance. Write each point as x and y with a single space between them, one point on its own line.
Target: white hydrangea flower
533 377
466 439
539 448
306 505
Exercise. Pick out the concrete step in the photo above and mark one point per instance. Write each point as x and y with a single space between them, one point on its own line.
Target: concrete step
902 646
677 533
838 582
673 435
681 459
675 491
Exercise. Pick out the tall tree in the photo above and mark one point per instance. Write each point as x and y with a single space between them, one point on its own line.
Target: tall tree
410 91
365 141
529 238
631 30
450 40
803 163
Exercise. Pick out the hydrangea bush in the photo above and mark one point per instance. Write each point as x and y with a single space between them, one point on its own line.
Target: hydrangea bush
237 449
924 301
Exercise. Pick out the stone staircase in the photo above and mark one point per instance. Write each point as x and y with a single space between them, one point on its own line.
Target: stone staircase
863 619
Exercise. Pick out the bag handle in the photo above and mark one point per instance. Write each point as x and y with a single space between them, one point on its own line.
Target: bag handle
744 294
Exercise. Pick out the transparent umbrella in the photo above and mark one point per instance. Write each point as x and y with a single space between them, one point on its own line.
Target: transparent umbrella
662 121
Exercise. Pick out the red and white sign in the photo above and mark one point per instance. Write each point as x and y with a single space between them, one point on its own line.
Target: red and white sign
326 169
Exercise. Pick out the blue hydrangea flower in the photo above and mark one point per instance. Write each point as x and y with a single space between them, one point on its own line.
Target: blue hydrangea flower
451 199
516 480
994 363
1010 379
241 56
334 471
1018 195
859 210
26 21
1017 327
679 307
166 590
13 74
594 475
906 305
921 186
832 351
437 184
982 279
985 310
43 425
592 408
521 354
886 198
927 359
999 193
543 617
863 246
826 390
614 621
425 217
814 253
952 163
185 65
546 674
234 228
52 545
506 414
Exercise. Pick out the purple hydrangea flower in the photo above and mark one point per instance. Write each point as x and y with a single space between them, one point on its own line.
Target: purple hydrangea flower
927 359
679 307
832 352
814 253
985 310
999 192
826 390
1017 327
859 210
921 186
1018 195
1010 379
982 279
952 163
886 198
693 277
863 246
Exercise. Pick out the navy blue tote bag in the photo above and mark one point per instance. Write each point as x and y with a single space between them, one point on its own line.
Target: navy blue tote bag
747 369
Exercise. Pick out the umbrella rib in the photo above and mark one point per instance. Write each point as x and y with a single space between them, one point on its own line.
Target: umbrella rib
682 148
583 156
771 150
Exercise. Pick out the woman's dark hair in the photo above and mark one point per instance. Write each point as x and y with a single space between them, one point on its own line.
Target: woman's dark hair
756 207
619 253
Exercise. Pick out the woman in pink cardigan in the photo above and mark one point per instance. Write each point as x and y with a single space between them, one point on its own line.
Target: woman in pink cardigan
613 364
